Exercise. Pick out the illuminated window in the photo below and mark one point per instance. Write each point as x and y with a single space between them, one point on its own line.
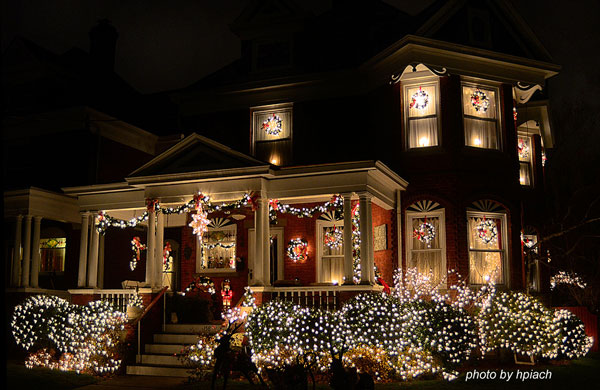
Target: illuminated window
421 110
272 133
524 151
486 232
52 254
426 242
480 116
330 251
218 246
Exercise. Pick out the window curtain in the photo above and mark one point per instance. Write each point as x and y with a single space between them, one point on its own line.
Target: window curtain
481 127
485 260
524 176
422 132
428 260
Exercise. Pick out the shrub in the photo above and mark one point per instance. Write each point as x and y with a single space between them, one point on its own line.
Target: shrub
570 335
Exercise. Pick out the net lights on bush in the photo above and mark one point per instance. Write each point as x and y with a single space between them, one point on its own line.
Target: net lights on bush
273 125
69 337
425 233
487 231
297 250
419 99
480 101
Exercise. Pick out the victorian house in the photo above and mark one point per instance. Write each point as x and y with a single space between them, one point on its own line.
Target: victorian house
338 148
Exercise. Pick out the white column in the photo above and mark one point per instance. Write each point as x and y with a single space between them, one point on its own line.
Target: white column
160 239
150 248
258 271
26 253
93 259
101 261
348 260
399 226
366 239
16 260
83 250
35 252
266 239
371 258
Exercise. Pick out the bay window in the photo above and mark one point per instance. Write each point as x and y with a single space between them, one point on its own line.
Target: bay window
421 113
480 116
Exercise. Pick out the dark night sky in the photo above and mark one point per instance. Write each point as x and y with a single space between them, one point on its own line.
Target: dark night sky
163 46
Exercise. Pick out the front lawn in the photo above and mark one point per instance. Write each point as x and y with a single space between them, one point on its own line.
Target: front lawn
19 377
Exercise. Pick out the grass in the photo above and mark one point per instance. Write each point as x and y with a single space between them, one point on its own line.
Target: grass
19 377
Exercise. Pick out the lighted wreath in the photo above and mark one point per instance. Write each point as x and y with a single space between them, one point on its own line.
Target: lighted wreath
273 125
333 238
487 231
419 99
425 233
480 101
297 249
523 147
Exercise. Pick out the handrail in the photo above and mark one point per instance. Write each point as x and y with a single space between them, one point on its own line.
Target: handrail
160 294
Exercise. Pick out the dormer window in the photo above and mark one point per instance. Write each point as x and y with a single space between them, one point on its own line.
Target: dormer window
272 133
421 112
480 115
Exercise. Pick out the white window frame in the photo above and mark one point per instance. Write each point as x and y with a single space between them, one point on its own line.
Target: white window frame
529 163
319 242
504 250
273 108
441 215
422 78
470 83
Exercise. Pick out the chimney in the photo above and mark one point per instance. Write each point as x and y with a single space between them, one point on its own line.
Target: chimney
103 42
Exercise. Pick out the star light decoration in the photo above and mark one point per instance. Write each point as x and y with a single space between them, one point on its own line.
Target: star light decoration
425 233
487 231
273 125
199 222
479 100
68 337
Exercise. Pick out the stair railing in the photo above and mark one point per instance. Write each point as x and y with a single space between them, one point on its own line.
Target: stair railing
138 321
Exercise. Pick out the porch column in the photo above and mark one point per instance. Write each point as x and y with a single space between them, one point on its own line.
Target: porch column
150 248
93 258
16 259
348 260
258 271
399 227
266 239
26 253
35 255
83 249
100 261
366 239
160 238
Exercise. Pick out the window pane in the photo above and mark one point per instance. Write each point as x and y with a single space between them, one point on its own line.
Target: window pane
429 262
421 100
481 134
272 125
524 148
524 177
422 132
479 102
484 266
332 269
218 249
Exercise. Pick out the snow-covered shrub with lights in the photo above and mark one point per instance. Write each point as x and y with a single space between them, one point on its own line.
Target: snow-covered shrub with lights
69 337
570 335
517 322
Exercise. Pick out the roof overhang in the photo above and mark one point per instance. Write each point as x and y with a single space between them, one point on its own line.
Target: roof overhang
42 203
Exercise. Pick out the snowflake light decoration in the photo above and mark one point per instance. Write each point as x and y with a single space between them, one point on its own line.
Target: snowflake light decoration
487 231
425 233
419 100
273 125
480 101
333 238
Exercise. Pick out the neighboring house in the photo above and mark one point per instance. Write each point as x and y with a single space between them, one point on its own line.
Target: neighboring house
425 122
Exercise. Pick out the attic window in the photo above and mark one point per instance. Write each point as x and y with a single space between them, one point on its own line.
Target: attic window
272 133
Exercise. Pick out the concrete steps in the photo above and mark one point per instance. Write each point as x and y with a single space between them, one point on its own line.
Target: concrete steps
160 357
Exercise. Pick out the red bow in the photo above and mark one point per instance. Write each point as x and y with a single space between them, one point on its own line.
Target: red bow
254 201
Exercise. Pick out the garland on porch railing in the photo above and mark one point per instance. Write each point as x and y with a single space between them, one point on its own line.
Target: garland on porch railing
104 221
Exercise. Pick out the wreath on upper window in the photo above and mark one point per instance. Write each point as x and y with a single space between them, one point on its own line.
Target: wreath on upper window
487 231
425 233
419 99
297 249
333 238
273 125
480 101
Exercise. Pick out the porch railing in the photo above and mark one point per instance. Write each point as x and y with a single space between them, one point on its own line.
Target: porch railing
117 298
320 297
